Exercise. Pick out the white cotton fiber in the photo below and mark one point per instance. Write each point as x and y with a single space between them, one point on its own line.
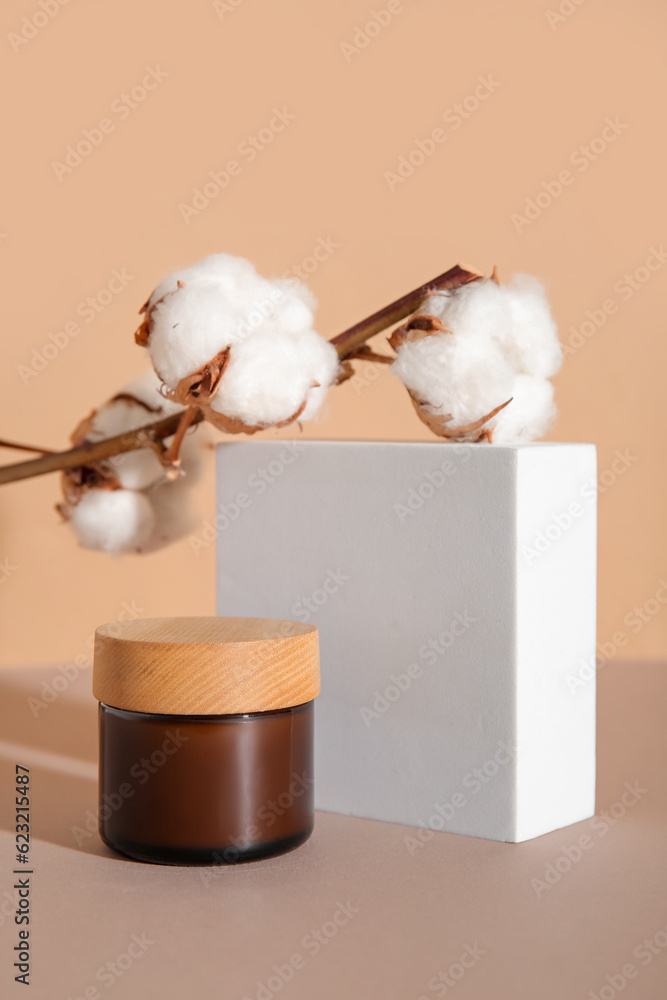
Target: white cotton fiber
516 315
269 377
530 413
113 520
502 343
479 309
275 356
465 377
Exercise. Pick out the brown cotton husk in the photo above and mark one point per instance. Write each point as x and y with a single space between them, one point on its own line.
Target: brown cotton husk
230 425
143 332
419 326
440 423
80 433
75 483
202 385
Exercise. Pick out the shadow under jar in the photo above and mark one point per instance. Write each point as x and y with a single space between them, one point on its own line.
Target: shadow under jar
206 737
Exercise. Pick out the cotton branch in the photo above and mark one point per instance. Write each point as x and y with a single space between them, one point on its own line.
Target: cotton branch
347 344
150 436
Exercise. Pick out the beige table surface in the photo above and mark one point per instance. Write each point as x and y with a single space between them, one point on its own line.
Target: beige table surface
389 922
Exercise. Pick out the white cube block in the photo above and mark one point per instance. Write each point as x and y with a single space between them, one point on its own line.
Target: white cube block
454 590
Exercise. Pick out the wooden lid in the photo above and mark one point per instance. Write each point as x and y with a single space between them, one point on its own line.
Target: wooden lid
206 666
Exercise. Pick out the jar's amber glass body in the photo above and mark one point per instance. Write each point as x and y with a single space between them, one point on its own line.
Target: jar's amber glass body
206 789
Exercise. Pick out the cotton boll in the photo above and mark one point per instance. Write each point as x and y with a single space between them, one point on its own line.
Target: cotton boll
463 376
270 377
503 343
529 414
113 520
239 346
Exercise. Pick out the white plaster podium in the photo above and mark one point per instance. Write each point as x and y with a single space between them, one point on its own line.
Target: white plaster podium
454 590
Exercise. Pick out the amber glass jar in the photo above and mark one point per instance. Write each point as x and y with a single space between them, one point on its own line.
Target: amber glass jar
206 737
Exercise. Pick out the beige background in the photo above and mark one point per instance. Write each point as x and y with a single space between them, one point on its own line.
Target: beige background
555 84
